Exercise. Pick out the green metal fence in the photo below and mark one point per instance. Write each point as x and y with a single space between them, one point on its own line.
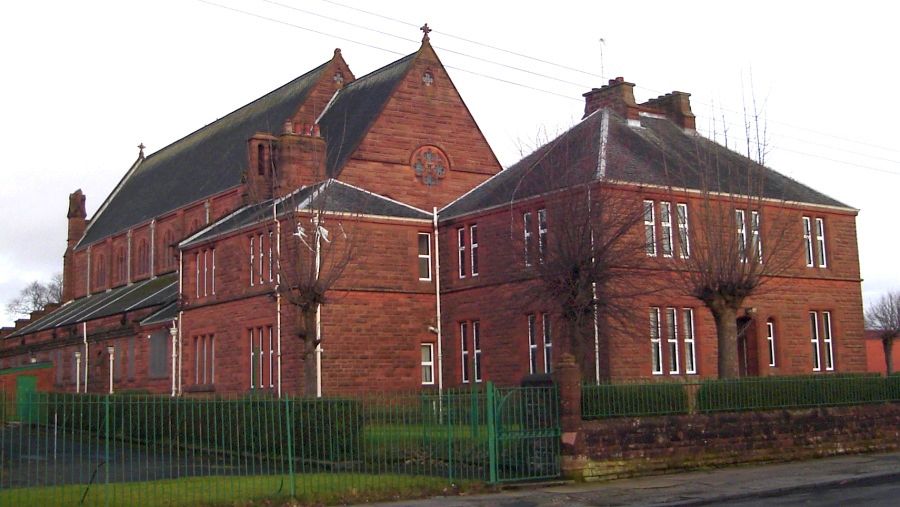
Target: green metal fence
82 449
757 393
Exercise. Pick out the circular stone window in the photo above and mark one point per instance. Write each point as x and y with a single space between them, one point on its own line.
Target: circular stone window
430 164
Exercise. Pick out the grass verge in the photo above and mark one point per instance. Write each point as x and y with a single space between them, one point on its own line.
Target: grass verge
310 489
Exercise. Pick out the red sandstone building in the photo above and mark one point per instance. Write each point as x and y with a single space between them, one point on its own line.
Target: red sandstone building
181 282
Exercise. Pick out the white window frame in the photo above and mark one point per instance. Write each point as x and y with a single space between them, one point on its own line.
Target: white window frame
213 277
755 236
429 364
820 242
741 223
532 344
252 262
262 259
542 234
828 341
770 339
684 240
814 331
271 259
655 341
547 341
650 227
476 350
271 357
461 251
205 272
807 239
665 222
473 249
197 274
465 374
526 225
426 256
690 342
672 341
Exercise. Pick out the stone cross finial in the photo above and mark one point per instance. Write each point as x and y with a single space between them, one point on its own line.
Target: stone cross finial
141 148
426 31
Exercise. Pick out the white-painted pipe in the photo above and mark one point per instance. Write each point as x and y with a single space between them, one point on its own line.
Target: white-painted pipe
86 355
437 297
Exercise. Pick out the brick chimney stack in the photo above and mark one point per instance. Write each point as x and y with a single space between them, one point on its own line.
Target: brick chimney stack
676 106
618 95
77 224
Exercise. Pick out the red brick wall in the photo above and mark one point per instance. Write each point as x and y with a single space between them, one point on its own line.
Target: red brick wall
417 115
875 354
502 295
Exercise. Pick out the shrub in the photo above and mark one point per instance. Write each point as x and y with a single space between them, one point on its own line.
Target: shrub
629 400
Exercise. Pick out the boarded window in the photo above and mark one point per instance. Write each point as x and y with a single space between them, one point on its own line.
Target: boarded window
158 351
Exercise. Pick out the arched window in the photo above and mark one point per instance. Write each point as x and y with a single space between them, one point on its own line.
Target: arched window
119 272
100 271
143 258
770 340
169 248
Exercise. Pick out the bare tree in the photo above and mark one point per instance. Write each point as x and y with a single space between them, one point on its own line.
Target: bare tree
318 237
322 244
884 317
740 233
36 296
590 250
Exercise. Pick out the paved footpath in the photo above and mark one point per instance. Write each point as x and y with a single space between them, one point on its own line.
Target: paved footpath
710 487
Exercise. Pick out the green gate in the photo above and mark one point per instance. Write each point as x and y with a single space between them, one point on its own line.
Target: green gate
26 388
523 433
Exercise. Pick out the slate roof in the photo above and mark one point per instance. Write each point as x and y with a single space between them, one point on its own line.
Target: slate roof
655 153
355 108
330 195
206 162
153 292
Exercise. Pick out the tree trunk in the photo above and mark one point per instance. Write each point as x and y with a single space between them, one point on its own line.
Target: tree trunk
888 346
726 336
310 370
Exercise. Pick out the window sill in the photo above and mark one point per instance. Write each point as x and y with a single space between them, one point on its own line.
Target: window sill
200 388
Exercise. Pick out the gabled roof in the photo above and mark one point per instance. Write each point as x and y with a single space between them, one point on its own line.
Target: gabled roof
144 294
327 196
355 108
657 152
206 162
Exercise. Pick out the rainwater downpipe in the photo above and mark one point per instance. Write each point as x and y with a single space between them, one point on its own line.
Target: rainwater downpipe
178 339
318 315
86 355
277 294
437 297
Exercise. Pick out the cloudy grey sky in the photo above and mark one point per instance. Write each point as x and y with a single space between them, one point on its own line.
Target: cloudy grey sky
85 82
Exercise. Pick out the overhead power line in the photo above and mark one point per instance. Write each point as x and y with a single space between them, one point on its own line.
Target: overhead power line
519 84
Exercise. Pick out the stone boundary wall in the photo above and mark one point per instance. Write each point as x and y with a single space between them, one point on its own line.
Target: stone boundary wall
622 447
629 446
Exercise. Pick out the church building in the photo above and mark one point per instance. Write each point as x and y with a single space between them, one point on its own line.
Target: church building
342 235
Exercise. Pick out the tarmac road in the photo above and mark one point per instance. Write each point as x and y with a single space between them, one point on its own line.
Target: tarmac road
868 479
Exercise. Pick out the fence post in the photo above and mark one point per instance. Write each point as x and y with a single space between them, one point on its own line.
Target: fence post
492 432
568 379
106 491
290 443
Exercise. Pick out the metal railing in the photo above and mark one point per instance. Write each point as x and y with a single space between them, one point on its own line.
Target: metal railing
79 449
643 398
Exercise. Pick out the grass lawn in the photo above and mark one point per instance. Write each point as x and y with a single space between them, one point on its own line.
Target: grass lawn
239 490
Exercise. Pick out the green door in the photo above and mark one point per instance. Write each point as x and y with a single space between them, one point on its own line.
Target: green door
26 389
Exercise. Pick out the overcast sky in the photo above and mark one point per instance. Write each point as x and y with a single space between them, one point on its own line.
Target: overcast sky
85 82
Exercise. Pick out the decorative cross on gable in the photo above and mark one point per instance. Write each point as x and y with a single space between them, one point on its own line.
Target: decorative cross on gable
338 77
426 31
